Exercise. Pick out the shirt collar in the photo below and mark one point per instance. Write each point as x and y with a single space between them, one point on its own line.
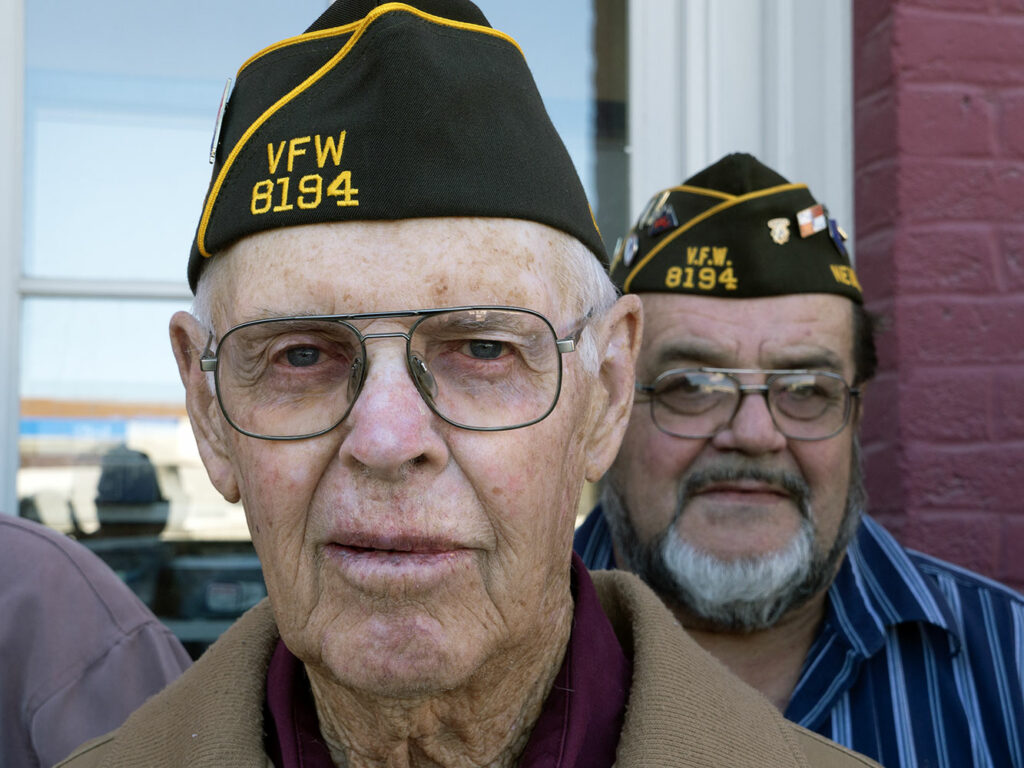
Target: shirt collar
878 586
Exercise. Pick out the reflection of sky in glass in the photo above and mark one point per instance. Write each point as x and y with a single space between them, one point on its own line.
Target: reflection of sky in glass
93 349
112 202
120 101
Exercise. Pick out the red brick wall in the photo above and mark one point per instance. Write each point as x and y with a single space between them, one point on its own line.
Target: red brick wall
939 157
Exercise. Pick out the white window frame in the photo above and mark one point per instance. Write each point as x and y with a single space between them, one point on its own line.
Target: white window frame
14 287
12 84
769 77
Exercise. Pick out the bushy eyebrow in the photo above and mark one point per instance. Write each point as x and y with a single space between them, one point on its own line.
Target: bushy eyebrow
698 351
815 358
705 353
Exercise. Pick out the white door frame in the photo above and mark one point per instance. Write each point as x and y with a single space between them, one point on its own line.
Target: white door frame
769 77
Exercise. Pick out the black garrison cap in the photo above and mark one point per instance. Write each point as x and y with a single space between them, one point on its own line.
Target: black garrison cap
735 229
384 111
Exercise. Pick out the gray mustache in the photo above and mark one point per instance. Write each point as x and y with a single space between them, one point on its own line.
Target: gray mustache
791 482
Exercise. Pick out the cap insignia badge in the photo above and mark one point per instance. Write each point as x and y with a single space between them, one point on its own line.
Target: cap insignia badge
629 249
220 121
780 230
664 220
812 220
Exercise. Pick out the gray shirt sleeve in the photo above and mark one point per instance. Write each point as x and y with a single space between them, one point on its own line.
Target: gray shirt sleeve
80 651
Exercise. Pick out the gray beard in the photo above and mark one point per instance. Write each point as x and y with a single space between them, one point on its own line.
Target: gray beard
744 594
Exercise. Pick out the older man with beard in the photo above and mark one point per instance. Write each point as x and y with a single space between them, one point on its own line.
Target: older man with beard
737 493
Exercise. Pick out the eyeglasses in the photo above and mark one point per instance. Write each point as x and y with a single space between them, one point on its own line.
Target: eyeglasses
479 368
699 403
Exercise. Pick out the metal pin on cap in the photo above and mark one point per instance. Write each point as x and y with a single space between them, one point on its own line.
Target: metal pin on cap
220 120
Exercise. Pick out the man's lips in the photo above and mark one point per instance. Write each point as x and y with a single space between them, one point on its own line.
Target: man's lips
743 488
401 543
378 561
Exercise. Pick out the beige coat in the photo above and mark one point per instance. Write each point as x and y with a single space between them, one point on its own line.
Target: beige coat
684 708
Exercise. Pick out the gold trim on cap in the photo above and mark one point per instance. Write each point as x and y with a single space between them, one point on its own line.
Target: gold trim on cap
357 28
728 201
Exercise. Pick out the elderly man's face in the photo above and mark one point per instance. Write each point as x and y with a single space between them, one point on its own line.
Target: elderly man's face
401 552
748 494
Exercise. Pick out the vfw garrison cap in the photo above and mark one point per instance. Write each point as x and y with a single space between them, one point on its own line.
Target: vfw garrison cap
735 229
384 111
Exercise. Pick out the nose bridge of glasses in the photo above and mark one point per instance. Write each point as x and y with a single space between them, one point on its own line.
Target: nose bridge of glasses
421 376
385 335
743 390
365 337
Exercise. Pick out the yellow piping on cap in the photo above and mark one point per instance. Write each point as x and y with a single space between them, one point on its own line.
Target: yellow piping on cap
304 37
335 31
728 202
616 258
359 28
702 191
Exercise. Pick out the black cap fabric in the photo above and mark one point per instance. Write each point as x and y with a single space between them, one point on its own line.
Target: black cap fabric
383 112
736 229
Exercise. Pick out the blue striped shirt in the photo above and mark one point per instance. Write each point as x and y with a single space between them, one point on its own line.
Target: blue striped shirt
917 663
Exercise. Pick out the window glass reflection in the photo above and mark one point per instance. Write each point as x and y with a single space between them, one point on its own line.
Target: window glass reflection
107 456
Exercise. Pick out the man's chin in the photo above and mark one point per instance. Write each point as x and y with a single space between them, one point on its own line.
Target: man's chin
736 592
738 533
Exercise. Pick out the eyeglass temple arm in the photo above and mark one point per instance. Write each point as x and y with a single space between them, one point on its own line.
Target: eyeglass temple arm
568 344
208 360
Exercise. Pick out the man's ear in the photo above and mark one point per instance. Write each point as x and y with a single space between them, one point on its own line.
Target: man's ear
188 339
623 328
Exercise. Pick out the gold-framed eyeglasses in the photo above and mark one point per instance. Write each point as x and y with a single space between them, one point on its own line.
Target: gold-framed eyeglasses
700 402
482 368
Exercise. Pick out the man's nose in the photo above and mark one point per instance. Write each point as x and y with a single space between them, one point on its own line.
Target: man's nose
390 426
752 429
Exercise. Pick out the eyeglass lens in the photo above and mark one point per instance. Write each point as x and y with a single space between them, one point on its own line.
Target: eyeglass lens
476 368
803 405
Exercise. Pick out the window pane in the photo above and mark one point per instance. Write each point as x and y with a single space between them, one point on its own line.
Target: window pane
107 455
120 100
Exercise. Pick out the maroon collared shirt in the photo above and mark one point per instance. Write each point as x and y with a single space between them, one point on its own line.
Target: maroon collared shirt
578 727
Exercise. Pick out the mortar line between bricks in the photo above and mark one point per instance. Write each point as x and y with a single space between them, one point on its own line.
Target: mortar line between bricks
1007 300
953 450
942 14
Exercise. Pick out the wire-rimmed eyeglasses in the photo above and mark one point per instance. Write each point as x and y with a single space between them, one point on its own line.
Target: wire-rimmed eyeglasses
483 368
700 402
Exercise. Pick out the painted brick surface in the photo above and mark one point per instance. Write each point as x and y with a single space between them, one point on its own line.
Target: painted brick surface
1008 407
955 189
951 5
875 121
879 209
882 469
980 476
947 258
1011 124
1010 260
876 48
874 265
1011 557
952 330
939 159
962 397
940 47
868 16
976 534
966 536
881 404
943 121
